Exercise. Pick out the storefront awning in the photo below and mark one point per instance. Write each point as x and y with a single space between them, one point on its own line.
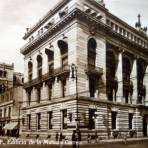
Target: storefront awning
10 126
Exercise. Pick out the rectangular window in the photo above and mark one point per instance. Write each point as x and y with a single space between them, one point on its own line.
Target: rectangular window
92 87
38 95
91 124
130 121
64 119
5 110
29 121
63 88
38 121
49 91
29 97
114 120
0 113
9 113
50 117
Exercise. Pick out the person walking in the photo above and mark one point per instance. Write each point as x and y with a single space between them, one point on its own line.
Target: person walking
74 139
60 140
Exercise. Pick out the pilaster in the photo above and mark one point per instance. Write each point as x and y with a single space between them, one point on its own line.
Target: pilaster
119 75
145 81
134 81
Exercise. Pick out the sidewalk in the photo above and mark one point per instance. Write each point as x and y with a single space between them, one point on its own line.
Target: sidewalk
115 141
92 142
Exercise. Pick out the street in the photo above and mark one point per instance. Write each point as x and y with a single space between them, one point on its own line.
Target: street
130 144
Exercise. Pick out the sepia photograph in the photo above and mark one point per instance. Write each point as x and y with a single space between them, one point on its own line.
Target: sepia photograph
74 74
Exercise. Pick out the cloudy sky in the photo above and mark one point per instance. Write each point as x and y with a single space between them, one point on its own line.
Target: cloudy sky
16 15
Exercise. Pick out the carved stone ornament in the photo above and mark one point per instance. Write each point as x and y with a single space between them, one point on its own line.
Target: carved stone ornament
93 29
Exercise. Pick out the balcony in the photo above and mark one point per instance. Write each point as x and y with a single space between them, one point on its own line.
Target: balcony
62 72
91 70
39 80
49 76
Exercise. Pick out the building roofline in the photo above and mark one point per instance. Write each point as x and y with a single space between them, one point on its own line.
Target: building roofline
127 25
45 17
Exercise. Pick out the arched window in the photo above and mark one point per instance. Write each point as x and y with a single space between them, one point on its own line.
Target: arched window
39 61
30 66
30 70
39 66
92 44
63 46
91 47
50 55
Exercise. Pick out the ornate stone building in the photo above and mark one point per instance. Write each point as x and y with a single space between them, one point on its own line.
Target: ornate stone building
85 69
11 93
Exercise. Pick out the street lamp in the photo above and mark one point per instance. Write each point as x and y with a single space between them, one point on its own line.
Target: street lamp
74 75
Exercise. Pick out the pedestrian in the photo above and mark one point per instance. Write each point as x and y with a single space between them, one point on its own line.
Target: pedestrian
60 139
125 138
96 137
57 136
74 139
88 138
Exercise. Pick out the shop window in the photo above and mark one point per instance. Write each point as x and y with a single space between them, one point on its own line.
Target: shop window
29 121
50 118
130 121
114 120
38 121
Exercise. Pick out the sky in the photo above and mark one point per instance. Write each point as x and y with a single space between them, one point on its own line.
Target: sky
17 15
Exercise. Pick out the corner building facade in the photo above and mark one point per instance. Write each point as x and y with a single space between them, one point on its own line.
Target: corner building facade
111 60
11 94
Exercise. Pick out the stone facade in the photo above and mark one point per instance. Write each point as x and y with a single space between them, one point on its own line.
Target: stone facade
11 93
111 69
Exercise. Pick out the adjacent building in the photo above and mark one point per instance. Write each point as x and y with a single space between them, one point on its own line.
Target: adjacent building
11 93
86 70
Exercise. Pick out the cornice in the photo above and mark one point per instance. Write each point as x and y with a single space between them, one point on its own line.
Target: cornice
45 18
110 15
82 16
51 31
108 31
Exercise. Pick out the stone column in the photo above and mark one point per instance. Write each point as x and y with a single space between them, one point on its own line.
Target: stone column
119 75
145 81
134 81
